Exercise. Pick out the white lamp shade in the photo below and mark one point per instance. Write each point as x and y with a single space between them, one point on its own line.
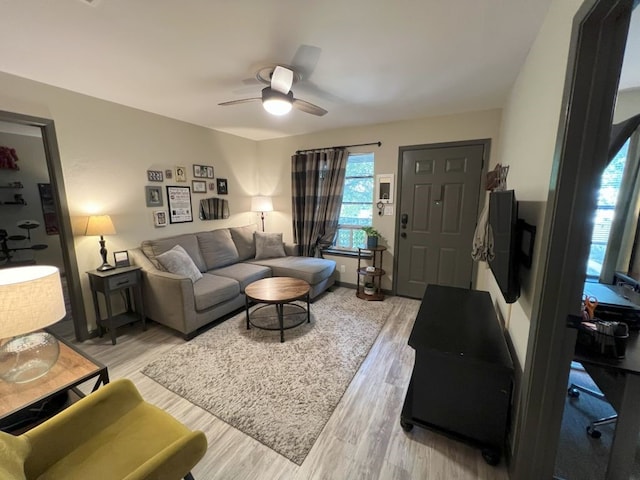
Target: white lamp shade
100 225
261 204
30 299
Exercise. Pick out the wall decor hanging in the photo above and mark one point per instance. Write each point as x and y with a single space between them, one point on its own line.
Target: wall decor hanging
153 196
181 174
214 208
199 186
160 218
155 176
222 186
203 171
48 209
179 202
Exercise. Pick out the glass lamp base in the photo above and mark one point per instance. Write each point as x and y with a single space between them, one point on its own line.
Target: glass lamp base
27 357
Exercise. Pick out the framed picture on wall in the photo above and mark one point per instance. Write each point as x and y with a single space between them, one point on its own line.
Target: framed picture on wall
179 202
153 196
222 186
155 176
160 218
181 174
199 186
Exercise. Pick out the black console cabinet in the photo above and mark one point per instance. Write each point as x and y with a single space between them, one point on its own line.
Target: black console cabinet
463 374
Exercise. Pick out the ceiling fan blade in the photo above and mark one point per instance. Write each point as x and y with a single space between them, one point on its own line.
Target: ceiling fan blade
305 60
309 107
282 79
236 102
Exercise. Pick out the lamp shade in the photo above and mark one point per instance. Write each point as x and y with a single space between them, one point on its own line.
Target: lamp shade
100 225
30 299
261 204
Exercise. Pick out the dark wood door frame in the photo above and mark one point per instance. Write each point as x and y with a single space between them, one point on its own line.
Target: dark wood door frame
486 144
595 58
54 168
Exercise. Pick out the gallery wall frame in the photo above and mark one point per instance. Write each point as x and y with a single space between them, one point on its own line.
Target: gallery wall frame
222 186
160 218
153 196
203 171
179 203
181 174
199 186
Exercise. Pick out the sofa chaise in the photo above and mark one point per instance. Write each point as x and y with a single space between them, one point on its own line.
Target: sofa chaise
193 279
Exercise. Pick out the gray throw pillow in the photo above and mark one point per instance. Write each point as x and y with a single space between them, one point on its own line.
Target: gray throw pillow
269 245
178 261
243 238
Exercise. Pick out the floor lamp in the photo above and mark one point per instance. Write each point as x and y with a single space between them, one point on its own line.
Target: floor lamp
261 204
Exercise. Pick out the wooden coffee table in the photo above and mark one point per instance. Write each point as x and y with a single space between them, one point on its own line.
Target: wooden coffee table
278 291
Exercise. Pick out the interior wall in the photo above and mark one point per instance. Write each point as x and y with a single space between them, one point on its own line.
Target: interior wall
627 104
33 170
274 161
527 142
106 150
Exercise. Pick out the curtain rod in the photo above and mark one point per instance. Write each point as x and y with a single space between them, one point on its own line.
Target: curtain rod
298 152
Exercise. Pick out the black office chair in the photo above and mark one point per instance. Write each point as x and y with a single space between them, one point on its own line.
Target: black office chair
574 392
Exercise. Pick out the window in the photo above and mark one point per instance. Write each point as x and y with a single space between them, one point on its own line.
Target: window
357 202
605 210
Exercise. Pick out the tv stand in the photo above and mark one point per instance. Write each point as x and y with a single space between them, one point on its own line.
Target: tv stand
463 374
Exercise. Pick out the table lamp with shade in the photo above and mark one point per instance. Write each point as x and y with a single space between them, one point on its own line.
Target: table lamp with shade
101 225
261 204
30 299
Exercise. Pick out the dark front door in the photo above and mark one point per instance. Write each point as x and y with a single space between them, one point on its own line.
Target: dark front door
440 187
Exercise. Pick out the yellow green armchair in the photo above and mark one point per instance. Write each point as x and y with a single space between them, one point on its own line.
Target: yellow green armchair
110 434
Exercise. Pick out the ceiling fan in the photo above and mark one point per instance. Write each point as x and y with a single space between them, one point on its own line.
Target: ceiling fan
278 98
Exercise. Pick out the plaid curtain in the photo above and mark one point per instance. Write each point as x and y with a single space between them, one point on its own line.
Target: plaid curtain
317 180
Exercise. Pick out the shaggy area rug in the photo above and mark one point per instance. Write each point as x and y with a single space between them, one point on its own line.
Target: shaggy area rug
281 394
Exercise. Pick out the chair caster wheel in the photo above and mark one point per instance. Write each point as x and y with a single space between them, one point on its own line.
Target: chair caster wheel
491 456
406 426
593 433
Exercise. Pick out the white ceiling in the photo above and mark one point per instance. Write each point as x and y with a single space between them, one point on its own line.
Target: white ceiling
370 61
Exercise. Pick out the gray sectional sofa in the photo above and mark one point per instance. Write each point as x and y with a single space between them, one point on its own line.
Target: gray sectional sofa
187 292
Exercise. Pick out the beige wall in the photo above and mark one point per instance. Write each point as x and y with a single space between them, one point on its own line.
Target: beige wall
106 150
627 104
275 165
527 143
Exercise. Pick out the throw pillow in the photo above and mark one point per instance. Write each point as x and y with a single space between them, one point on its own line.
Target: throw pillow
269 245
178 261
243 238
13 453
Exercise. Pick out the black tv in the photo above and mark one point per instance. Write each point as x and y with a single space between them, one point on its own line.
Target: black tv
503 219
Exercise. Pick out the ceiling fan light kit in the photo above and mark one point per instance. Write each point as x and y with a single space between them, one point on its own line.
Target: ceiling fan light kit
277 98
276 103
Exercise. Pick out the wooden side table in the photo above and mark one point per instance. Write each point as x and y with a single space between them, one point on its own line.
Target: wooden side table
110 281
21 403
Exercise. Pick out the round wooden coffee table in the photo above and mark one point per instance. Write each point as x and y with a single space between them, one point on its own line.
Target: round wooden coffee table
278 291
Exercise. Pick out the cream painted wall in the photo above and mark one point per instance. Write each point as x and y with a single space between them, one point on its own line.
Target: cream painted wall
527 142
627 104
106 150
275 166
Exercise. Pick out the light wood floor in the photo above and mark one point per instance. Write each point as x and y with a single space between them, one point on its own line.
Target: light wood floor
362 439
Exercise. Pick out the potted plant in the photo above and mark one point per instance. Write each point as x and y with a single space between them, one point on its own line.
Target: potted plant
372 236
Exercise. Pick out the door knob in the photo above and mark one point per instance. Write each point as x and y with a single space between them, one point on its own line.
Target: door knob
403 234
